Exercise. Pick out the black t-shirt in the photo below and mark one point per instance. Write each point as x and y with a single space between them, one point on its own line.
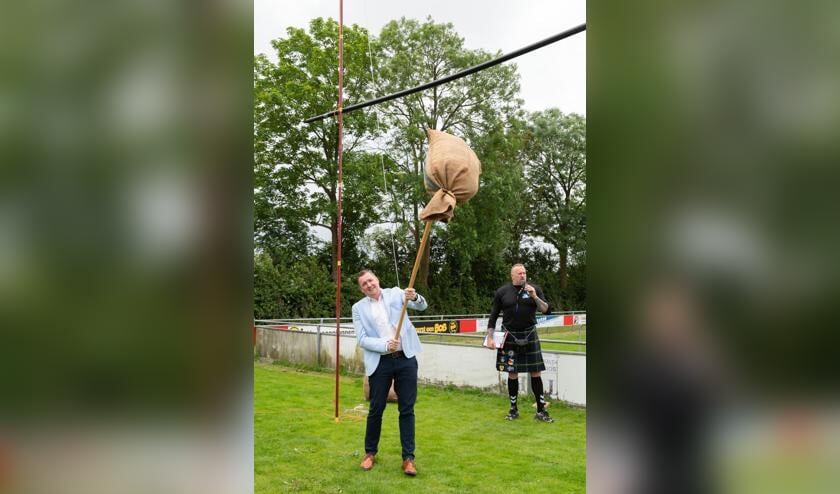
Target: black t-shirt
518 309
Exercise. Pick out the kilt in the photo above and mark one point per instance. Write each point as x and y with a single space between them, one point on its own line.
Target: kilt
515 358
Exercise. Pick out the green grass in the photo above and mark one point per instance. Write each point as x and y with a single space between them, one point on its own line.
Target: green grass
463 442
564 332
553 333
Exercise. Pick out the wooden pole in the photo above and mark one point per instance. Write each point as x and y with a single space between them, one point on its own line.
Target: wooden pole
414 274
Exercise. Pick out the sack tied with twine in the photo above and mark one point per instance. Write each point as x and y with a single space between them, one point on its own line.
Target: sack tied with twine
452 171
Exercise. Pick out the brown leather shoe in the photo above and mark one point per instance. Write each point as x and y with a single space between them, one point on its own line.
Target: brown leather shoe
408 467
368 462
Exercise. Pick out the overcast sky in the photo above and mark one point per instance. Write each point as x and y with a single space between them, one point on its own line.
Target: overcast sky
553 76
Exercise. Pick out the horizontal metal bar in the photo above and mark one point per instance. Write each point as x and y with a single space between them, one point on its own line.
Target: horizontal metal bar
452 77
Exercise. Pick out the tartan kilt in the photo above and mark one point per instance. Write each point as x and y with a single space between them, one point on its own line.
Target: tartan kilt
515 358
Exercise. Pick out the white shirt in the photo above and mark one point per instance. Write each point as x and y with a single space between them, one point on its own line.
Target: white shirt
383 324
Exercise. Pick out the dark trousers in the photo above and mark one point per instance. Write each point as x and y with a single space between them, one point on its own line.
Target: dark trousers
403 372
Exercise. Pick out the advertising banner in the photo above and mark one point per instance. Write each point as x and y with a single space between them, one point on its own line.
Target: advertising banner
451 326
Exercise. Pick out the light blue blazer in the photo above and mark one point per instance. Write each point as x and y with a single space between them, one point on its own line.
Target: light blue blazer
368 337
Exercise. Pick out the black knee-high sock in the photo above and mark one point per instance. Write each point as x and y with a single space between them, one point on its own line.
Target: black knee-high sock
537 386
513 391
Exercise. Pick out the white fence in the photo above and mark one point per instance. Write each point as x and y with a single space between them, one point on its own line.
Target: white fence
456 323
307 342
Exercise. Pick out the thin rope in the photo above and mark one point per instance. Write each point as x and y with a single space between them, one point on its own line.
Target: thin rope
388 192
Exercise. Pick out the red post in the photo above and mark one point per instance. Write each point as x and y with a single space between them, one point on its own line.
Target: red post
340 121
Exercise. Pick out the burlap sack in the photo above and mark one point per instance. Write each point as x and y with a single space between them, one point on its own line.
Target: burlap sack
392 394
452 171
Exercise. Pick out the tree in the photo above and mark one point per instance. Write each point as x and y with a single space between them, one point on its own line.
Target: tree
297 289
555 156
296 164
410 53
531 186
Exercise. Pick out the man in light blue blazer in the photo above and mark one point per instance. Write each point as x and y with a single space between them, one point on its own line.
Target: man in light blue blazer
388 360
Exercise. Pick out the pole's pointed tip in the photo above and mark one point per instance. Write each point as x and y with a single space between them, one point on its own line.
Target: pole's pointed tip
336 420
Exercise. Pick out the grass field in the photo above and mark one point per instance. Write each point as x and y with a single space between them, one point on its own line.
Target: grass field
570 333
464 445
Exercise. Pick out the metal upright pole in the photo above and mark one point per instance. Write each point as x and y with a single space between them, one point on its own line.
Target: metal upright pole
340 122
